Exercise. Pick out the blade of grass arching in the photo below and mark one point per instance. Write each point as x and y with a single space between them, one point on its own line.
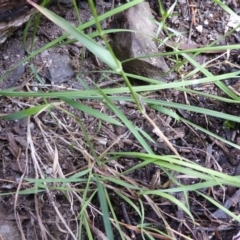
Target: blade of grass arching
146 227
178 118
225 7
207 95
155 87
27 112
116 221
23 192
192 50
36 24
89 43
184 170
83 216
210 133
170 198
192 187
145 135
130 202
100 18
25 33
159 213
104 208
155 233
124 119
119 182
35 74
194 169
35 28
221 85
132 169
79 94
139 89
77 12
55 180
110 13
169 166
141 164
87 228
99 28
83 82
80 174
199 67
169 112
184 166
88 93
85 203
220 206
144 232
80 28
90 111
207 175
154 104
105 55
223 99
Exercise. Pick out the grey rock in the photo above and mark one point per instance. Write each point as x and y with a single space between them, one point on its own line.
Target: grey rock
128 45
67 3
8 229
60 68
16 54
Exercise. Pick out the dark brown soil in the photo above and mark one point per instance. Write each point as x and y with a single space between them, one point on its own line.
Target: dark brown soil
32 143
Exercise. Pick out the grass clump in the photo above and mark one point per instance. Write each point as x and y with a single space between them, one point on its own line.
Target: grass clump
102 185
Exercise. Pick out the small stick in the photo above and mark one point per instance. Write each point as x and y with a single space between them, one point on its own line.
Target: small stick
127 219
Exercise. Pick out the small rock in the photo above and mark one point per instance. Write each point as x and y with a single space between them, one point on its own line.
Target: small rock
199 28
182 2
60 68
17 73
66 3
128 45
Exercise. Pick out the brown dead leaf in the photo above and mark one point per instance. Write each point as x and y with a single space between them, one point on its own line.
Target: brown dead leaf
13 147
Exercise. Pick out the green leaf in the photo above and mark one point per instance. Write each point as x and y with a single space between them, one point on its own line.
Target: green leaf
170 198
91 111
27 112
104 208
89 43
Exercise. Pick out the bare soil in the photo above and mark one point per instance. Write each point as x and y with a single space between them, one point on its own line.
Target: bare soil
203 22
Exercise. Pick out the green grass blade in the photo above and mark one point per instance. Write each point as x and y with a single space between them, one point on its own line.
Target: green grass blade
27 112
89 43
126 122
170 198
104 207
220 206
91 111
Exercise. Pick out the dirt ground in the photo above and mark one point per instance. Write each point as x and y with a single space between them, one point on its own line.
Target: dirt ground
208 24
